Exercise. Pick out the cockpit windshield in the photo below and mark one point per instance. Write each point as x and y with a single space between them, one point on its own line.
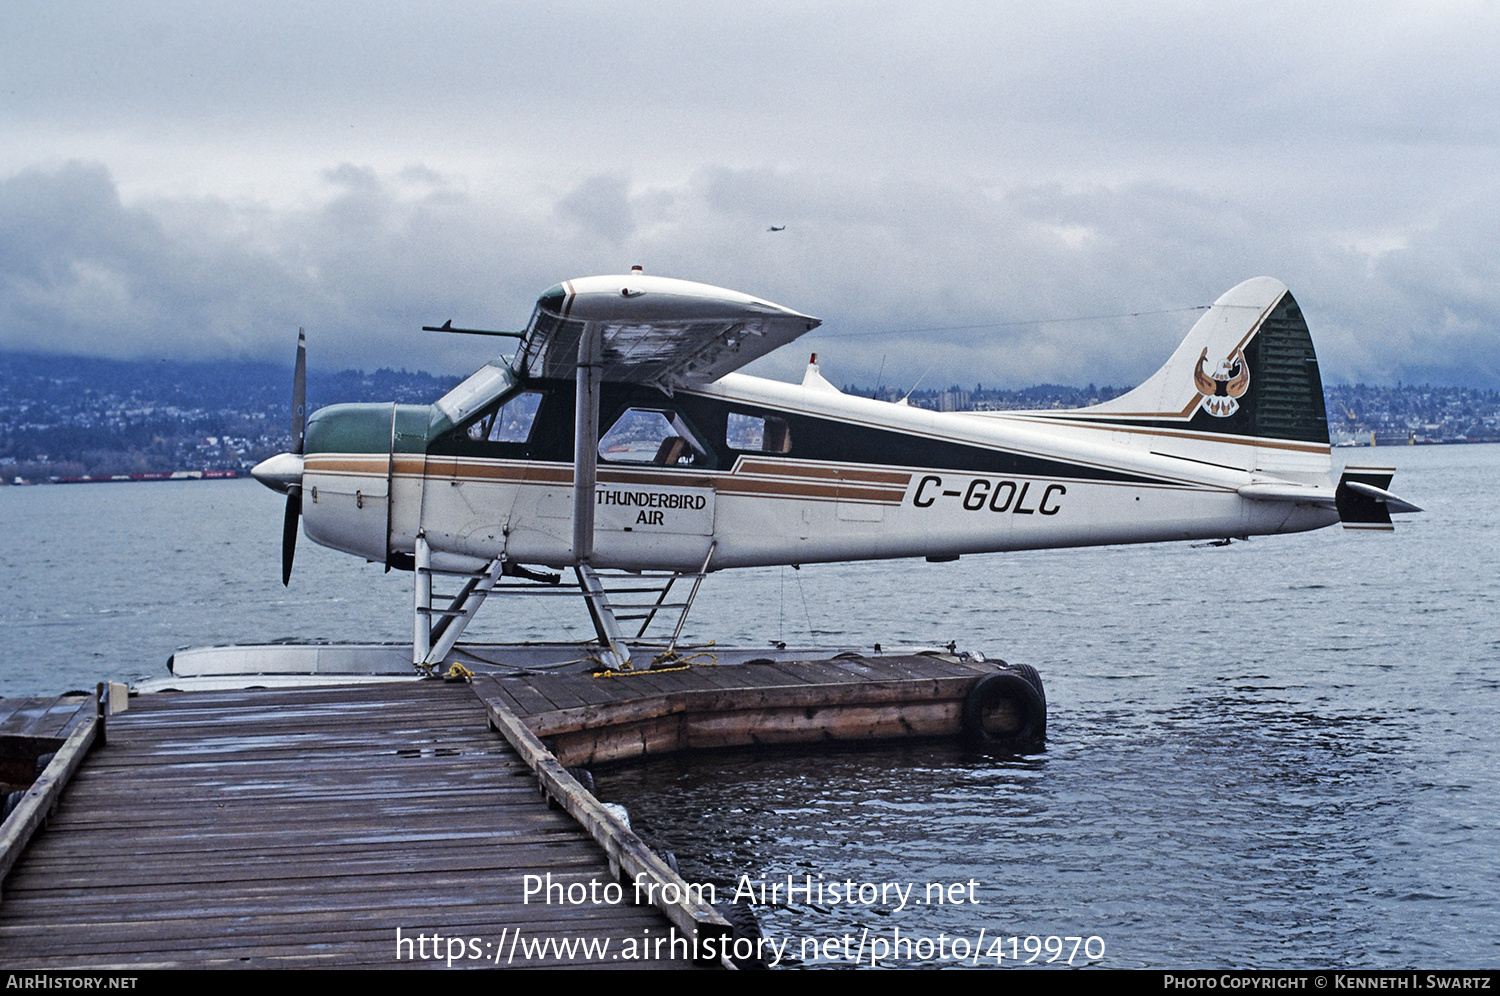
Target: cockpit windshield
479 389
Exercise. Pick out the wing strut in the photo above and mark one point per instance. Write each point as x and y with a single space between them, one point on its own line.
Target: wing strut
613 653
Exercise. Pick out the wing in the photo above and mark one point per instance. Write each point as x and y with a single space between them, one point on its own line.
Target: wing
655 330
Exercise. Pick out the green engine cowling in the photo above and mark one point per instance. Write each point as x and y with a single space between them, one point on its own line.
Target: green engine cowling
351 454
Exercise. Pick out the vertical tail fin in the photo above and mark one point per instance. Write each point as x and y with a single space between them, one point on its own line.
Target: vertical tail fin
1247 368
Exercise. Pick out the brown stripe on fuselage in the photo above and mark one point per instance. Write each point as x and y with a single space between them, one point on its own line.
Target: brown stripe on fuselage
534 473
816 492
347 463
822 472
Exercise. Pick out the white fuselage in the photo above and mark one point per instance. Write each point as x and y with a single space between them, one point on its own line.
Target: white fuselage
1103 484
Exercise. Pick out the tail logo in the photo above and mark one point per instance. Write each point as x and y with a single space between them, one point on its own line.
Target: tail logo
1223 388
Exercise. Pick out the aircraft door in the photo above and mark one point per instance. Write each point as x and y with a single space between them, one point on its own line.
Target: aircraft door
474 475
653 505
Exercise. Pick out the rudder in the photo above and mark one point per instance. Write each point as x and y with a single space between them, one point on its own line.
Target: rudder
1247 368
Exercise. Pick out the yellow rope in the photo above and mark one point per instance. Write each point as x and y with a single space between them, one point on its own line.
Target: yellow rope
670 656
457 672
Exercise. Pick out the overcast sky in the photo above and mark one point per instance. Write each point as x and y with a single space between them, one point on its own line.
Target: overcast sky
198 179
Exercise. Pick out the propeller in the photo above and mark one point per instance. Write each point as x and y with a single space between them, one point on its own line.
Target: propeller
283 472
299 395
299 439
289 534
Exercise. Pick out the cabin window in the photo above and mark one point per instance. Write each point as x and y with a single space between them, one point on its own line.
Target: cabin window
510 423
651 436
761 434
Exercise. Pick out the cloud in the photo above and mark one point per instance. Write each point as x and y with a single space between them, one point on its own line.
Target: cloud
202 278
1052 270
217 177
601 206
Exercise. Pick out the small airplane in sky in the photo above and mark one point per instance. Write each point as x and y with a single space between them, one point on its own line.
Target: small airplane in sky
619 443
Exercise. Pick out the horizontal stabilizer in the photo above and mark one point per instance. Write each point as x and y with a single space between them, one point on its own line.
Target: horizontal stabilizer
1284 491
1391 502
1361 498
1364 502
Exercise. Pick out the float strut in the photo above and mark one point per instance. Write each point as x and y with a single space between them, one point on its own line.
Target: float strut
421 643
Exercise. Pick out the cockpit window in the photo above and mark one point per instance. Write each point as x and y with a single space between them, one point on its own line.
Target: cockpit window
479 389
510 423
652 436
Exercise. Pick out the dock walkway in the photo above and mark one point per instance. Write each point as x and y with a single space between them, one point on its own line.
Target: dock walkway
302 827
275 828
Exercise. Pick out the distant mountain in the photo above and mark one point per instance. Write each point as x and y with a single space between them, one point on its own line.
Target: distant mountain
67 416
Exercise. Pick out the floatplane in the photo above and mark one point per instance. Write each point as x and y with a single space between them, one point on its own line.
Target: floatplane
618 444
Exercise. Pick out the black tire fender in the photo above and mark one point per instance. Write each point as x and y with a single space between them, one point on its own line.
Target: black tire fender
1015 691
745 927
1030 674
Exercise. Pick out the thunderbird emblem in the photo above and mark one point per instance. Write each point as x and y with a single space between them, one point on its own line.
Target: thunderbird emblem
1223 388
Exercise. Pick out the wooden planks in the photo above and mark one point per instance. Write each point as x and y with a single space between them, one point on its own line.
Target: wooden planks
628 854
301 828
51 718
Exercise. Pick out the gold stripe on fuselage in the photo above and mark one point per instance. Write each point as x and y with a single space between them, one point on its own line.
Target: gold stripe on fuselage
750 478
794 481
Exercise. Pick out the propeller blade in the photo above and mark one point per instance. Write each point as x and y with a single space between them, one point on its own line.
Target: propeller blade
299 395
289 533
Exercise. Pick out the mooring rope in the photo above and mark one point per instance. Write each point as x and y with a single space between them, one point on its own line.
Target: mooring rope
681 662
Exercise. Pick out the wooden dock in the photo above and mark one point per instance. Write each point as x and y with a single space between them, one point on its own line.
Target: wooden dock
302 829
305 827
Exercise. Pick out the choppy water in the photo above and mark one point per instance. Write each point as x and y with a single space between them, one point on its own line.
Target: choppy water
1280 753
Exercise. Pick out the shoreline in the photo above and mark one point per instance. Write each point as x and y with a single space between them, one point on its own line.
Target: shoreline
149 476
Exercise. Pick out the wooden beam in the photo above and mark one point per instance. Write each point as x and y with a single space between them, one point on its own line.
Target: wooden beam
696 731
626 851
43 795
652 705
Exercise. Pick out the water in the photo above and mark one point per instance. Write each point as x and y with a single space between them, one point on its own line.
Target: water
1280 753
